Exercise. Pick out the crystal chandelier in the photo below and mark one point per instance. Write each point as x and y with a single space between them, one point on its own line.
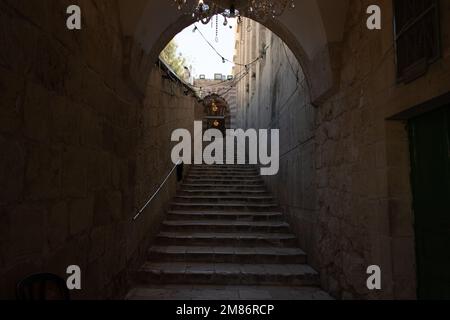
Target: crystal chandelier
204 10
263 9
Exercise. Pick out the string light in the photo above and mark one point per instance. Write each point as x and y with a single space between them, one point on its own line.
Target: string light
217 29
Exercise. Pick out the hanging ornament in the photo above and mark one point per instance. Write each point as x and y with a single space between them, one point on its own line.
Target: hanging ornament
260 10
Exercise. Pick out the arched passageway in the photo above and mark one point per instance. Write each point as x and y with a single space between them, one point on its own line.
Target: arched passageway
310 30
235 233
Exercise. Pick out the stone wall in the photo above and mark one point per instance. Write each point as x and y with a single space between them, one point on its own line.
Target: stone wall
344 178
363 162
85 124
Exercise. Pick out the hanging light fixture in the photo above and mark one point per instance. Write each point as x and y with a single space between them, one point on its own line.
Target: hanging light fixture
204 10
268 8
201 11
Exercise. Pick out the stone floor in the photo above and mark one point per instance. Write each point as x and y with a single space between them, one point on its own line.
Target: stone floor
205 292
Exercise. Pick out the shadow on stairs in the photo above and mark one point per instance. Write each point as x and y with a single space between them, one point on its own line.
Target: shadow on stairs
225 239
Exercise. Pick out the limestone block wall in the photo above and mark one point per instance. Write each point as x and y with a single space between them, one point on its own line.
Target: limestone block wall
344 180
276 96
364 200
85 123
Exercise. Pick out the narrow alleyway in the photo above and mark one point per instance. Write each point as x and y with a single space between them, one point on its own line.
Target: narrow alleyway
88 115
225 238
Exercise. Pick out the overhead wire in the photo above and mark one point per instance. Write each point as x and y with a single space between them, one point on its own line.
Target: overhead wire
219 54
239 76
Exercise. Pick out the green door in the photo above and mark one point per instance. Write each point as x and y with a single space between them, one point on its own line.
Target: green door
430 153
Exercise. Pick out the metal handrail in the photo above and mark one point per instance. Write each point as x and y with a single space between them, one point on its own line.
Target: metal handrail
157 191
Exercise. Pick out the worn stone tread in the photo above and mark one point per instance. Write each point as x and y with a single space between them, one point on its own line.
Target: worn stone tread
221 191
228 250
190 197
223 204
223 213
211 223
214 292
229 235
237 177
225 230
194 272
230 186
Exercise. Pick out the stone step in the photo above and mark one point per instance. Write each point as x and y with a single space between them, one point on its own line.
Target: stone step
224 206
224 215
230 187
227 274
226 293
249 175
225 226
224 199
224 181
237 197
231 239
241 173
242 167
222 192
223 177
239 255
223 172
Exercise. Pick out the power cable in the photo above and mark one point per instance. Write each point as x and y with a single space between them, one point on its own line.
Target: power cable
221 56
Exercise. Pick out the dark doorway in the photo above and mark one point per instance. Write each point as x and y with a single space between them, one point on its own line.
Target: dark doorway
430 158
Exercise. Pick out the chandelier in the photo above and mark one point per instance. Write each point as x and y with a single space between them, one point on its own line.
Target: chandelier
204 10
268 9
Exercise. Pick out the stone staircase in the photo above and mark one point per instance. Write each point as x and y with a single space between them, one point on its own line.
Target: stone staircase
225 238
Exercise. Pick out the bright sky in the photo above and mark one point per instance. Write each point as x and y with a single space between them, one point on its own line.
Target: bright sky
202 57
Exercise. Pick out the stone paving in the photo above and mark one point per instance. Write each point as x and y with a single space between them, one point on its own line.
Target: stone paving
205 292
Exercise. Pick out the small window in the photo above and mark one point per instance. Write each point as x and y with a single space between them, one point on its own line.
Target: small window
417 37
218 76
202 77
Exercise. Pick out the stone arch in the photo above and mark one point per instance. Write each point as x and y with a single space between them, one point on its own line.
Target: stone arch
311 31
